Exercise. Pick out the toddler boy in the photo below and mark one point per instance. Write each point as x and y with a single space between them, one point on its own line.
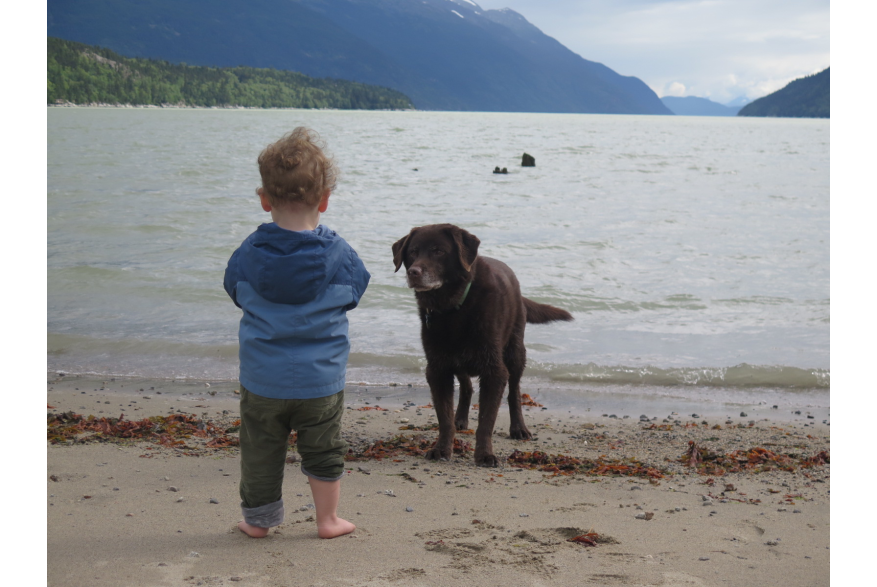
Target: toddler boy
295 280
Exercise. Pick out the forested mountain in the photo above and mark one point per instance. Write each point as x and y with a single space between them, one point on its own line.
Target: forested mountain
693 106
806 97
443 54
84 74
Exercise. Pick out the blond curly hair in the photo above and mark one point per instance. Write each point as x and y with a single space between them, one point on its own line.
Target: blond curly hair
295 169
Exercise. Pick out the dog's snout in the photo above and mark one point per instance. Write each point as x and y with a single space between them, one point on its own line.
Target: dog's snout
415 271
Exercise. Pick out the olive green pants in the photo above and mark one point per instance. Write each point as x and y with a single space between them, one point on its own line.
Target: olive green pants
266 424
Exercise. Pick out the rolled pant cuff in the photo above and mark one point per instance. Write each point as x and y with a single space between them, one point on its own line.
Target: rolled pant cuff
318 478
264 516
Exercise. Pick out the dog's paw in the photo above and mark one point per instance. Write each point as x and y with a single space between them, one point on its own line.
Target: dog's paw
520 434
486 461
437 454
461 424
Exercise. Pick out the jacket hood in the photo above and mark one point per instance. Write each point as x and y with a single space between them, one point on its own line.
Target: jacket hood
289 267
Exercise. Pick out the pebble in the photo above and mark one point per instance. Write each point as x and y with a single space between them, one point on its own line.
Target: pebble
409 509
635 487
524 515
172 488
695 416
364 470
180 499
704 558
708 502
214 500
193 554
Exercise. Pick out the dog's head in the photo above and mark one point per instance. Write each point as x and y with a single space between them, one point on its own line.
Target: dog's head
436 254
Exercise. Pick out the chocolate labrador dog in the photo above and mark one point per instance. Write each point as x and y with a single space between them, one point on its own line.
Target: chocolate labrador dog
472 317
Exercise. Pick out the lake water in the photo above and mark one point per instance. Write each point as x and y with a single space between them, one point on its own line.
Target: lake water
692 251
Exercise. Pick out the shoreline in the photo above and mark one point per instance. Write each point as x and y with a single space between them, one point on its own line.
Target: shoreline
632 401
226 107
140 513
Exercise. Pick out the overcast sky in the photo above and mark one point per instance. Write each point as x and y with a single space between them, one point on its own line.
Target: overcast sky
716 49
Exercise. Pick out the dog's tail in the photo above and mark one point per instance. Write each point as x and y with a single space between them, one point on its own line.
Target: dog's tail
542 313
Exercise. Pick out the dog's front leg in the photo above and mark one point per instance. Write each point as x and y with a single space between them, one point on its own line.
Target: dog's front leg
489 400
441 386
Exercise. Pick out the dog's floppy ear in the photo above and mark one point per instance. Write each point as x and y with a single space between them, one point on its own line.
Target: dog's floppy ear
400 247
467 247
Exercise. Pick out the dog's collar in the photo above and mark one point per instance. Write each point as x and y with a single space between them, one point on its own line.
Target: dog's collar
429 313
465 294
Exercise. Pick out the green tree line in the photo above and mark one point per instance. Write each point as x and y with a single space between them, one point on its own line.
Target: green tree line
84 74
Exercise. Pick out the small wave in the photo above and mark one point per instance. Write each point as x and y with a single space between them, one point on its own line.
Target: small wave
742 375
163 358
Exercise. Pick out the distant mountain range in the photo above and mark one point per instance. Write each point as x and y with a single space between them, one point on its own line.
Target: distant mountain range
692 106
443 54
806 97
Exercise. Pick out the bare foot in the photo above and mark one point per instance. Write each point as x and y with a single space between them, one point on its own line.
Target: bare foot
252 531
335 528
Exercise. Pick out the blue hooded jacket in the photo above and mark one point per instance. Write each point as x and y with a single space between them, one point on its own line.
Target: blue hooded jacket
295 289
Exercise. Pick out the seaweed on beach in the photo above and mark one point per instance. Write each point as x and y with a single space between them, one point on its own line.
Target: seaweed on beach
560 464
169 431
526 400
402 445
756 460
423 428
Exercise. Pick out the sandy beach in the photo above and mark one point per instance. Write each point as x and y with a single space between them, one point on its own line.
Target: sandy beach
149 512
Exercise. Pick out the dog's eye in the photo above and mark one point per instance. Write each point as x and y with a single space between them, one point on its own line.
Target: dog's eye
438 252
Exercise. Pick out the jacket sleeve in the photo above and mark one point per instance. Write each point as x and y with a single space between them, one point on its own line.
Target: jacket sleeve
232 277
359 278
